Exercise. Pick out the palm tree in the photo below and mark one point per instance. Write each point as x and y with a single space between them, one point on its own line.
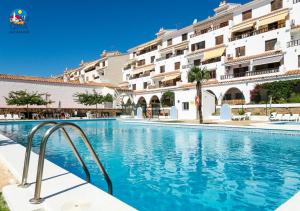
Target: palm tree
198 75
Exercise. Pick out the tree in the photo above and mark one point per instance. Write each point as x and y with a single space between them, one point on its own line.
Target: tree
198 75
168 99
108 98
89 99
24 98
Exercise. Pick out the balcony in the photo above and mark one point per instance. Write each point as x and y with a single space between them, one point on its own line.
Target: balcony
146 74
256 32
164 58
250 73
293 43
209 30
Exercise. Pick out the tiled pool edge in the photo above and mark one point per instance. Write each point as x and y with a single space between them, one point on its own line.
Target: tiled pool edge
12 155
255 129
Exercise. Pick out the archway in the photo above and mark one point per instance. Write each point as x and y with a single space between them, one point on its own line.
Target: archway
154 106
234 96
127 107
143 104
211 92
168 99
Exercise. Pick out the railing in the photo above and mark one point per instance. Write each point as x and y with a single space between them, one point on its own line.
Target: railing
296 1
58 126
256 32
164 58
293 43
250 73
139 76
209 30
29 146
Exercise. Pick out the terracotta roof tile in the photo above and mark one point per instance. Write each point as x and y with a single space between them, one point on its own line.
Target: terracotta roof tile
293 72
54 81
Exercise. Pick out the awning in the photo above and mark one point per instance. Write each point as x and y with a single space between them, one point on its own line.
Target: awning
243 27
267 60
171 77
137 71
142 69
213 53
273 18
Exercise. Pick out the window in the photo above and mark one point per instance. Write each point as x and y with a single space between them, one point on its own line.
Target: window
168 55
87 78
162 69
298 60
276 5
247 15
240 51
169 42
145 85
177 65
197 46
133 86
184 37
103 64
219 40
197 62
185 106
152 59
270 44
212 74
224 24
141 62
179 52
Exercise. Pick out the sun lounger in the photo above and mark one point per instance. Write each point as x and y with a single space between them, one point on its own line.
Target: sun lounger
9 117
247 115
278 117
16 117
273 116
286 117
2 117
294 117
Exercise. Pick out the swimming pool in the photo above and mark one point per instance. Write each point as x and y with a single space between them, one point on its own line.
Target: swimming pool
179 168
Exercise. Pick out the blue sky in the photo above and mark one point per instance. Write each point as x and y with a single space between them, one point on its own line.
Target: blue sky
64 32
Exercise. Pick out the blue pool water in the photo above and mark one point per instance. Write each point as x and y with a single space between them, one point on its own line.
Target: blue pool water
171 168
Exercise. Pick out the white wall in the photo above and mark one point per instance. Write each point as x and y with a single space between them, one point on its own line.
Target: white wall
58 92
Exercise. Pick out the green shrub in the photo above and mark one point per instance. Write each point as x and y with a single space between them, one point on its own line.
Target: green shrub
280 91
294 98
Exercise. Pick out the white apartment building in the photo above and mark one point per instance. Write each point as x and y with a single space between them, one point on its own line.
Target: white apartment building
241 46
107 69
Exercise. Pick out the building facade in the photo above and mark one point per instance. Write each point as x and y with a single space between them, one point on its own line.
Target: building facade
241 46
107 69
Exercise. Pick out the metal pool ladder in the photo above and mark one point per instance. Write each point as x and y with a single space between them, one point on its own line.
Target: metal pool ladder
58 126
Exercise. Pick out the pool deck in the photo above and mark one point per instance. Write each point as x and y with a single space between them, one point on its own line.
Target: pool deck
61 189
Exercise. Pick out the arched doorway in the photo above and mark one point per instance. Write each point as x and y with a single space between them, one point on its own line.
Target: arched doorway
154 106
211 92
127 107
143 104
234 96
168 99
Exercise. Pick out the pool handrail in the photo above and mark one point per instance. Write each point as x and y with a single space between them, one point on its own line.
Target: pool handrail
37 199
29 147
